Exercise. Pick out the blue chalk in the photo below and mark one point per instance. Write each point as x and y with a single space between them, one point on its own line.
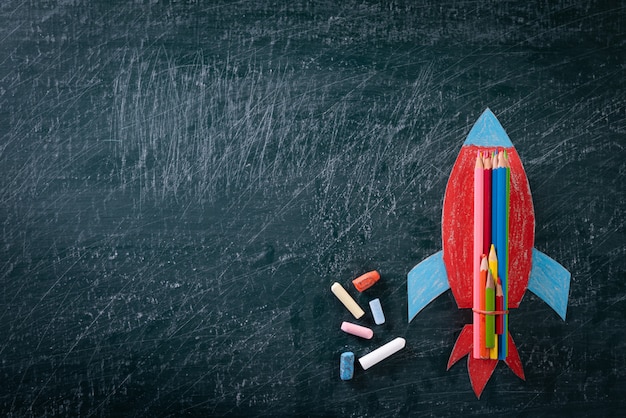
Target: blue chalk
377 311
346 365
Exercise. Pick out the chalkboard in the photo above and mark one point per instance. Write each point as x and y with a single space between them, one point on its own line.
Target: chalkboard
183 181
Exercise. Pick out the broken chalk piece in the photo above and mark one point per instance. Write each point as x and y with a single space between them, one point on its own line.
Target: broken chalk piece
366 280
346 365
377 311
347 300
382 353
357 330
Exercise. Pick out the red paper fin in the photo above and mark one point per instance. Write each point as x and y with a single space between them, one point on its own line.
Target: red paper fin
513 360
462 347
480 372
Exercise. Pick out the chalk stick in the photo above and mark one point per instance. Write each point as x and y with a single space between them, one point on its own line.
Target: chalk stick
377 311
346 365
382 353
366 280
347 300
357 330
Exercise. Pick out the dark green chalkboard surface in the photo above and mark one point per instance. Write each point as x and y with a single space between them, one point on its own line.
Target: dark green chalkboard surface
182 182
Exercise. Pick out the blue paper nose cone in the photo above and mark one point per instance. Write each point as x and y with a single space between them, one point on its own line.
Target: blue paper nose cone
487 132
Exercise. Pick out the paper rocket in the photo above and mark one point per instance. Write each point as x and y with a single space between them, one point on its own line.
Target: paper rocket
451 268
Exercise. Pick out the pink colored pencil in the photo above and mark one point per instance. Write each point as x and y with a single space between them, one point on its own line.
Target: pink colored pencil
486 239
479 180
487 204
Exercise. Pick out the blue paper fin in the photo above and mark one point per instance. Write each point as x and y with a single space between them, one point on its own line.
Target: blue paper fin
550 281
425 282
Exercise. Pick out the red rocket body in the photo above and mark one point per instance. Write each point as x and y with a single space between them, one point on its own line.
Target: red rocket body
452 267
457 227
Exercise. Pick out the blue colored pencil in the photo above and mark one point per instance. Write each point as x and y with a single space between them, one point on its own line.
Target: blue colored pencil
494 196
507 166
501 250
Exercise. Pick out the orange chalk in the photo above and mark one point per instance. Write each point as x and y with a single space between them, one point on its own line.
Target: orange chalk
366 280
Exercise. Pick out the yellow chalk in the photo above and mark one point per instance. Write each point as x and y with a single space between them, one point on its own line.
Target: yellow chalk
347 300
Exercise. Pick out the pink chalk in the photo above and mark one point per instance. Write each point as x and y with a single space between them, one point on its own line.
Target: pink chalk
357 330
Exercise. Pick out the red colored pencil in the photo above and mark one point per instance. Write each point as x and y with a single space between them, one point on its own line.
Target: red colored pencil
499 307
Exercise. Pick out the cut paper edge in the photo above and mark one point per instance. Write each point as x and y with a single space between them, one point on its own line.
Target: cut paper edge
513 360
550 281
425 282
480 371
463 345
487 131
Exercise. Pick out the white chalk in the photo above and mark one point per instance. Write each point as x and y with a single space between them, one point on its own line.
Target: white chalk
377 311
347 300
382 353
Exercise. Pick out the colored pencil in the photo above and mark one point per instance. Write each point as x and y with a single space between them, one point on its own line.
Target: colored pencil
479 179
487 203
489 306
493 271
505 322
493 352
499 307
493 261
501 242
494 195
484 268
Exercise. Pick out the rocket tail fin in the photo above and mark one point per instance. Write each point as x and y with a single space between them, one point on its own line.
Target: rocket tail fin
550 281
513 360
425 282
480 370
463 345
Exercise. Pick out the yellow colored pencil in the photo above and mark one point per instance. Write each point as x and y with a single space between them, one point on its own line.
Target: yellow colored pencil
493 262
